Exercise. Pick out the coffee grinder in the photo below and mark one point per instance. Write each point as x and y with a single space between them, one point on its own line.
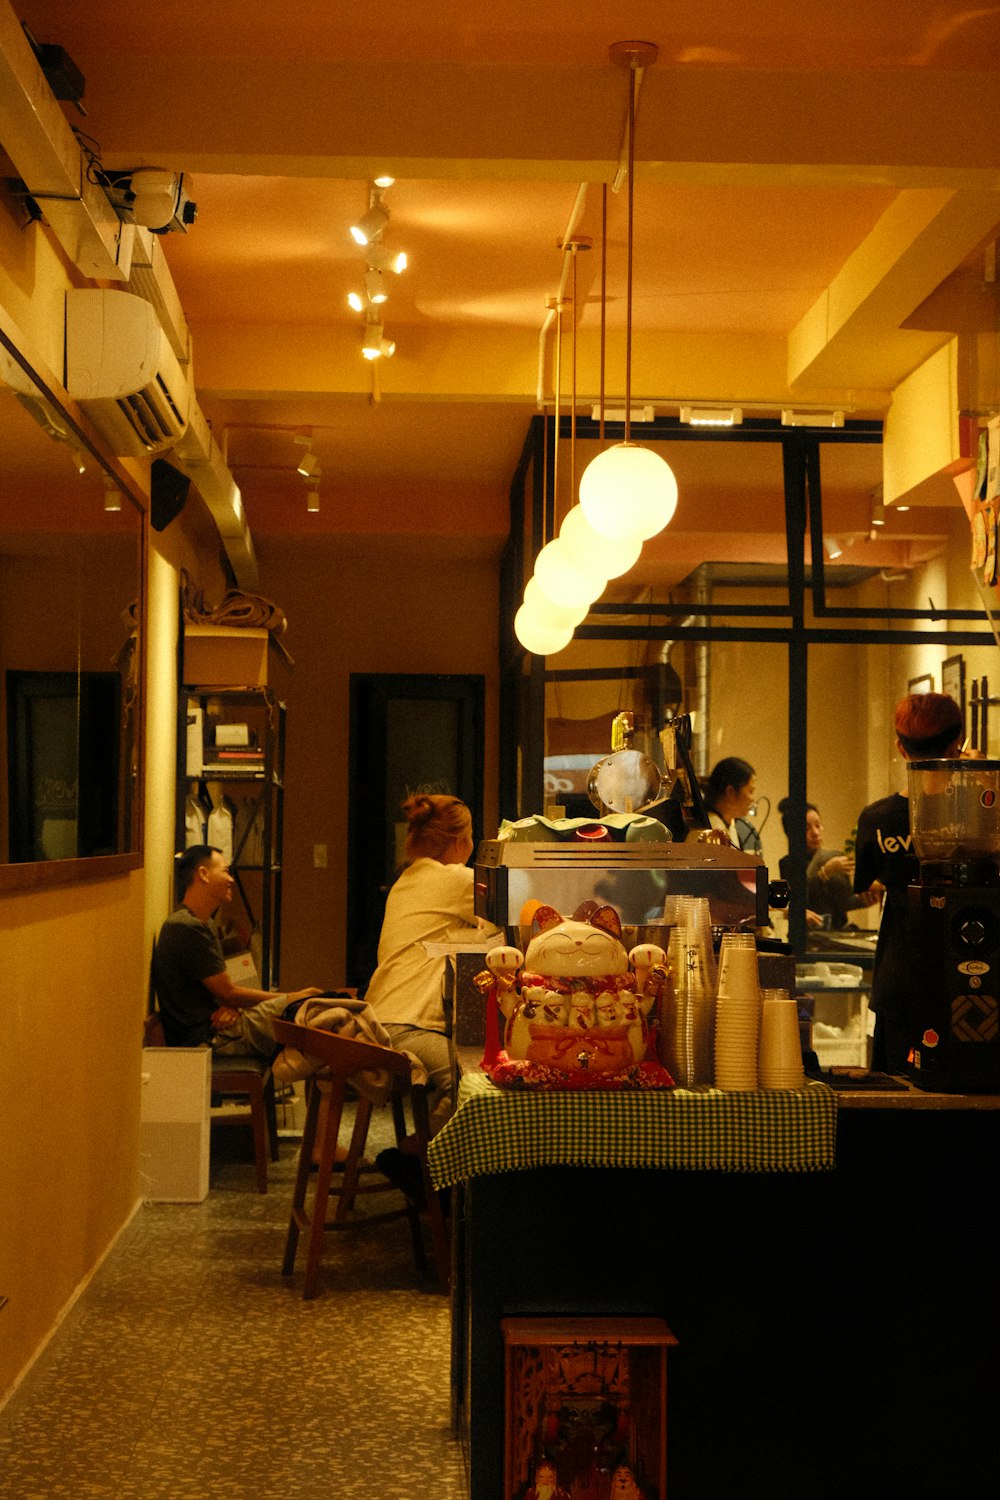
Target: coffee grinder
953 926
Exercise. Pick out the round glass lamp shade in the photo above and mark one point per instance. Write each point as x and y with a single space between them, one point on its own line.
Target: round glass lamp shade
561 581
588 550
542 608
538 637
628 491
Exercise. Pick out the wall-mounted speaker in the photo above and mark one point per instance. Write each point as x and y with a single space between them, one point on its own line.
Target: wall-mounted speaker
167 494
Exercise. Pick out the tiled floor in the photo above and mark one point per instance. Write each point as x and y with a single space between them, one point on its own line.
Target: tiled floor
192 1369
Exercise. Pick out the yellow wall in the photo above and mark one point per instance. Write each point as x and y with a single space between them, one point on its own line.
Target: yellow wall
367 611
71 1003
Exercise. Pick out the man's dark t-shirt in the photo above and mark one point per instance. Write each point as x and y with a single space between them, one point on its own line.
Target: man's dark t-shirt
885 852
188 951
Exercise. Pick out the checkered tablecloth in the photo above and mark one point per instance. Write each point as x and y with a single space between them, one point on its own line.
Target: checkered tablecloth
510 1130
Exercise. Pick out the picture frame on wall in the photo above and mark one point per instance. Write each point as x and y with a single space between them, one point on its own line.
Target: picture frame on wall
953 679
924 684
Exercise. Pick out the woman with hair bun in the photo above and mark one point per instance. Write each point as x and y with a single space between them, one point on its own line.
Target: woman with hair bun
430 902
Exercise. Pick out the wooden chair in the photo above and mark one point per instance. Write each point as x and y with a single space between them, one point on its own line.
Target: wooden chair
342 1058
237 1078
249 1078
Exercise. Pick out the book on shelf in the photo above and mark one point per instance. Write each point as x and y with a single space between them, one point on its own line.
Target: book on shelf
217 767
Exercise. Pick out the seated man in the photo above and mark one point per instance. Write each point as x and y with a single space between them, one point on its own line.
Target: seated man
199 1002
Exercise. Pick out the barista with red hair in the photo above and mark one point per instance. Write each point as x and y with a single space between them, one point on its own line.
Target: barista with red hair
928 726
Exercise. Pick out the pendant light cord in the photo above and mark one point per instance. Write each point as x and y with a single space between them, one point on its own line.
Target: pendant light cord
628 262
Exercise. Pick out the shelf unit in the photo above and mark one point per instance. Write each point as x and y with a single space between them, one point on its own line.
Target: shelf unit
250 777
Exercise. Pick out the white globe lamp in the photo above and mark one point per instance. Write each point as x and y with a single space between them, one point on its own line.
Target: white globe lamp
538 637
628 491
562 582
586 547
543 609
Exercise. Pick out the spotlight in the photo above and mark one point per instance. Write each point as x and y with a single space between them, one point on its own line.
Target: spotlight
355 301
878 513
374 287
832 547
308 466
618 413
384 182
112 494
375 345
790 418
712 416
371 224
379 258
312 500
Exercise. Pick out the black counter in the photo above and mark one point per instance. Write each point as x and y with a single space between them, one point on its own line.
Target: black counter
838 1332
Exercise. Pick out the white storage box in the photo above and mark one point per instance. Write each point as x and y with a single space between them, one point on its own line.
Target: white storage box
175 1129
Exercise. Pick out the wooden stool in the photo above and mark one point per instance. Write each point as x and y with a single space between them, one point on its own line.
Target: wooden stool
342 1058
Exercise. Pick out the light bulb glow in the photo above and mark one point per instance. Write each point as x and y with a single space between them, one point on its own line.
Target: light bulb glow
537 637
545 610
354 301
561 581
628 491
589 551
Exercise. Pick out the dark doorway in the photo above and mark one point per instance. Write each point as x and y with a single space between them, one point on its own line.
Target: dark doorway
407 734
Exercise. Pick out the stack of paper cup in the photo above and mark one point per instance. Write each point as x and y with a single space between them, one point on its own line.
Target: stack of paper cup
690 1012
780 1046
737 1013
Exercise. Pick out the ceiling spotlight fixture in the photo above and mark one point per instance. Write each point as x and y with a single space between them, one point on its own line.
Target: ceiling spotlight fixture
378 258
112 494
628 490
355 301
617 414
832 547
372 223
712 416
312 500
878 513
375 287
384 181
791 418
375 345
308 466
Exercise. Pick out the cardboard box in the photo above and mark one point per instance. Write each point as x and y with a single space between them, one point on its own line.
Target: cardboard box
225 656
242 970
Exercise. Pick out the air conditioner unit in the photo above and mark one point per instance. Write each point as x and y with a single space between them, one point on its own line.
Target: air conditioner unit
121 369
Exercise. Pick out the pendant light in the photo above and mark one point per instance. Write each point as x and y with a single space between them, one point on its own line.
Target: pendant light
586 548
629 491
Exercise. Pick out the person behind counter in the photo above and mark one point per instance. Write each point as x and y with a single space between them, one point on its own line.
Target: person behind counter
928 727
829 893
729 795
430 902
199 1003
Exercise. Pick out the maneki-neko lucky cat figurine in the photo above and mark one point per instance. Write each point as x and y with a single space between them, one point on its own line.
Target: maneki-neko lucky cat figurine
570 1011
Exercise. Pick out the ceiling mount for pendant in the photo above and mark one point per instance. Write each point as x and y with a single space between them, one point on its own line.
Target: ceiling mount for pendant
634 54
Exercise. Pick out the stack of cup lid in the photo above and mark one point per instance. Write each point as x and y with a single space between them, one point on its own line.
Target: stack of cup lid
737 1013
694 912
780 1045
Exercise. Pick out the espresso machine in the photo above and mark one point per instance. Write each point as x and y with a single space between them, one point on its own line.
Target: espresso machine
953 926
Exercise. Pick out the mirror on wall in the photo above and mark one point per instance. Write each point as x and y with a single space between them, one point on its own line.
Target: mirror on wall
70 612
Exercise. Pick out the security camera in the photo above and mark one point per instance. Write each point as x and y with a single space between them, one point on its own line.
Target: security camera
151 197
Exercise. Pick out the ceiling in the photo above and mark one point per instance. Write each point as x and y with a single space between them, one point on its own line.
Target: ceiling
806 178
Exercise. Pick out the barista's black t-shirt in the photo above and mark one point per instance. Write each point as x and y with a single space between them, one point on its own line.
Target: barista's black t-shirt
884 852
